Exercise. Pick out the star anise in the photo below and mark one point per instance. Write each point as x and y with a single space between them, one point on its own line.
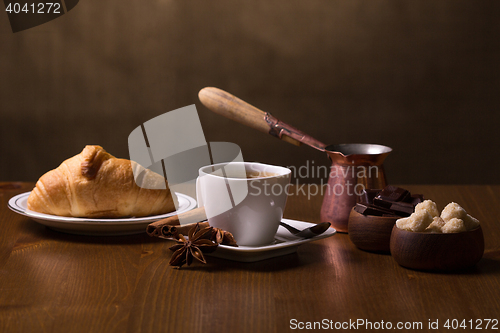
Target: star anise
223 237
198 242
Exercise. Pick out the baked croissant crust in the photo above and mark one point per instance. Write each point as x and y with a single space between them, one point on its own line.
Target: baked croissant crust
95 184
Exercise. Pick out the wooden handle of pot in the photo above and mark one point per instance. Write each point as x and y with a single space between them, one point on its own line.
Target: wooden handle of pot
229 106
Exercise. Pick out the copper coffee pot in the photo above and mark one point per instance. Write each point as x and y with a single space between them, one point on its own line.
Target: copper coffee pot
355 166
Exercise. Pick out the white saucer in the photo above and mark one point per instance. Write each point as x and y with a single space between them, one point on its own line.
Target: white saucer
284 243
96 227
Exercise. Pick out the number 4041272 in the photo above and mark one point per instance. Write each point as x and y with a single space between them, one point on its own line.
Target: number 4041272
38 8
471 324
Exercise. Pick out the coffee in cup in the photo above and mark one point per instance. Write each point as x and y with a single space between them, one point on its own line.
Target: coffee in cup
244 198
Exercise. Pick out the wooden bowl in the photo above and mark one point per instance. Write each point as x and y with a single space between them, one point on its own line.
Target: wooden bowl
437 252
371 233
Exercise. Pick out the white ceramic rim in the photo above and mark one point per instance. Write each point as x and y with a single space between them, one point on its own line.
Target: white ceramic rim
15 203
284 170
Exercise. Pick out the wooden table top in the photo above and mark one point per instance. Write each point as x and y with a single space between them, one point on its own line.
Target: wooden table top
56 282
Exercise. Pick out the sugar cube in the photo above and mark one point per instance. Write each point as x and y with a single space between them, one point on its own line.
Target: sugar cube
436 225
416 222
454 225
429 206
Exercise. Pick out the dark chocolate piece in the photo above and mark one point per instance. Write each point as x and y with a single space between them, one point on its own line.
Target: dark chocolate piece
368 209
393 193
416 199
391 201
400 207
403 208
382 202
368 195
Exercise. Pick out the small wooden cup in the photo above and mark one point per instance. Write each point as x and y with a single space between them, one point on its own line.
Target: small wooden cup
437 252
371 233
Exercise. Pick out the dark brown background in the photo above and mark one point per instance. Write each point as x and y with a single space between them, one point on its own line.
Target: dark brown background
420 76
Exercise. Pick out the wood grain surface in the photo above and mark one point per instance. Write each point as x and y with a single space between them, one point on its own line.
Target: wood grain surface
55 282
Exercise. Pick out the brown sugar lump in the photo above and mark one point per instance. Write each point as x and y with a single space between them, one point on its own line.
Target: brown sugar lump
426 218
436 225
429 206
454 210
470 222
416 222
454 225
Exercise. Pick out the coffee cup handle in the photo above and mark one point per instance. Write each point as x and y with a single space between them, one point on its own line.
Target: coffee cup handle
199 197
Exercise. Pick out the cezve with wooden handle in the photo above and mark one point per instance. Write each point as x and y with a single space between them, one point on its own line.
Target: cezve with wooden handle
229 106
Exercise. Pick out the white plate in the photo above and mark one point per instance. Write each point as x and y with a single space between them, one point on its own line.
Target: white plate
96 227
284 243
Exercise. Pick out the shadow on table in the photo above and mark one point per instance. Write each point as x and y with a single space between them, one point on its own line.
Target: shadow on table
39 231
33 232
280 263
489 264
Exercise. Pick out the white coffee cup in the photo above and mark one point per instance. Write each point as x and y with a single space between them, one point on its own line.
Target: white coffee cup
249 208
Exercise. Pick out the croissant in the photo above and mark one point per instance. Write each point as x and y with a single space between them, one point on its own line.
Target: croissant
95 184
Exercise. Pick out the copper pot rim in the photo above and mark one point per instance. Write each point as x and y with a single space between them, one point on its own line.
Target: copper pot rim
347 154
351 149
